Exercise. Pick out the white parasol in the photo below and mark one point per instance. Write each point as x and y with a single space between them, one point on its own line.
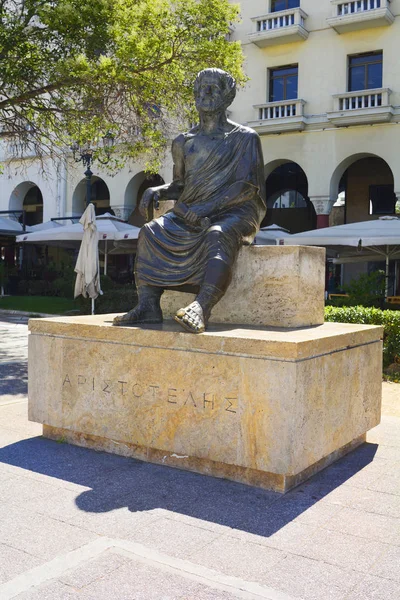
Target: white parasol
87 266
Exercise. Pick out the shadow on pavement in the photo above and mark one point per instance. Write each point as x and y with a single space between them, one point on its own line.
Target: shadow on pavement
118 482
13 378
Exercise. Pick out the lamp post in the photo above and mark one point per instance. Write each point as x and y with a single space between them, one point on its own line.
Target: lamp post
84 154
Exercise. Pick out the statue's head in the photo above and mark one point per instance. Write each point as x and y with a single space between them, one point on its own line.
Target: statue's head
214 90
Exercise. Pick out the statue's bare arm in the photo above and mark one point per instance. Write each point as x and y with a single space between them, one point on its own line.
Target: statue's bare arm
168 191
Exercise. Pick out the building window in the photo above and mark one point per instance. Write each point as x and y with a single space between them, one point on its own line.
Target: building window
283 83
382 200
278 5
365 71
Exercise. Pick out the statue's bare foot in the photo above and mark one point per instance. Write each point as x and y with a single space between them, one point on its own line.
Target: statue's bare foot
139 315
192 318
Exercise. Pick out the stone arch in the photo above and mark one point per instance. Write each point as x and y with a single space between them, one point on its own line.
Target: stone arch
360 177
28 196
100 196
287 186
134 192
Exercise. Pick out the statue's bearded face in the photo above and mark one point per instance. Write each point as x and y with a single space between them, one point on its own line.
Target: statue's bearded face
210 96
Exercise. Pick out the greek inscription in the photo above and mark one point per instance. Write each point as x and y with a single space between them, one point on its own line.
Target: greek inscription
230 407
172 396
117 389
123 392
208 399
154 389
107 386
137 390
190 399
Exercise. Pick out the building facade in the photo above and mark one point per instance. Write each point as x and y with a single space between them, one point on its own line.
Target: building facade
323 92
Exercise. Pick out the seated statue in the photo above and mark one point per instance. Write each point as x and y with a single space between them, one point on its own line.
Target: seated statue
218 185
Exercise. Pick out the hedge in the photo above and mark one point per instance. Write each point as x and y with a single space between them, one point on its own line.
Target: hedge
390 319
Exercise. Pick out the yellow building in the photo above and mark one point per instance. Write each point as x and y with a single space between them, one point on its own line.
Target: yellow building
324 95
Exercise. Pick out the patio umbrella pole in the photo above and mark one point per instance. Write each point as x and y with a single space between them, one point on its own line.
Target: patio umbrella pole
387 274
92 306
105 258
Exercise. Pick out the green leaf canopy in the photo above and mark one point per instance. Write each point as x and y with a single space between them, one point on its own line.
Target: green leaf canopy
71 70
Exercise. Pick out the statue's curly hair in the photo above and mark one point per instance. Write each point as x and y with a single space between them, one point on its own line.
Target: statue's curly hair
227 81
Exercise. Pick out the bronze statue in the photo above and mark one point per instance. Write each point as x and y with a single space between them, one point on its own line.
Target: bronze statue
218 184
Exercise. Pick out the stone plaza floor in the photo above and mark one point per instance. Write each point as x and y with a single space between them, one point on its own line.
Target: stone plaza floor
79 524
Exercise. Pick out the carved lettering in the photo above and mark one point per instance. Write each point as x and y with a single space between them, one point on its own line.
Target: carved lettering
66 380
208 399
172 396
190 398
81 379
154 389
139 390
107 383
122 387
230 407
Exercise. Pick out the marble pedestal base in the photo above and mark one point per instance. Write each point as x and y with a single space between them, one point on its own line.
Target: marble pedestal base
267 407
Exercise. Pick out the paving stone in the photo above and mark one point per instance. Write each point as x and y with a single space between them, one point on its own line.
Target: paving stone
180 541
238 558
388 565
41 536
356 553
367 525
390 484
94 569
119 523
365 500
290 538
52 591
13 562
375 588
311 579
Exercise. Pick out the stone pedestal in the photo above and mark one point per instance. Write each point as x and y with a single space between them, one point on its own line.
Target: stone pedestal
272 286
267 407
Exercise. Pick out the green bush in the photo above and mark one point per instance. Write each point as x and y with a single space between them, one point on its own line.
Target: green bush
367 290
390 319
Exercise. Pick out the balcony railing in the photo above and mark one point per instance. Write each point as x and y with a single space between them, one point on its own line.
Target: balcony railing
360 14
276 117
361 107
346 8
279 28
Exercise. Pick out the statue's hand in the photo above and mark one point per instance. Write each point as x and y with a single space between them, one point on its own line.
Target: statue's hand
191 217
150 195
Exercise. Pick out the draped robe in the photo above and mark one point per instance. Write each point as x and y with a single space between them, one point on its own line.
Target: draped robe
171 253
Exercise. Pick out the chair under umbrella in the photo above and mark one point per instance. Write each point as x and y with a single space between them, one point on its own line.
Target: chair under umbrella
365 240
108 229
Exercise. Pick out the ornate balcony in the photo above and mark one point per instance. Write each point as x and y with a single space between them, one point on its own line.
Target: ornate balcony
360 14
279 28
278 117
361 108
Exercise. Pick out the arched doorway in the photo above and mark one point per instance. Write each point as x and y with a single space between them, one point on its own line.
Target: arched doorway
364 187
100 197
138 189
27 197
288 204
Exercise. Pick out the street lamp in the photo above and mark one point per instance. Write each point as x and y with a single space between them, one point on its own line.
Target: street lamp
84 154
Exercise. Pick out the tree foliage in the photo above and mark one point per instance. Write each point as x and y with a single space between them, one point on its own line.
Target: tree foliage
71 70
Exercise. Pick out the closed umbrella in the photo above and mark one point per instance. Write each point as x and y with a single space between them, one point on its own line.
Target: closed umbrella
87 266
